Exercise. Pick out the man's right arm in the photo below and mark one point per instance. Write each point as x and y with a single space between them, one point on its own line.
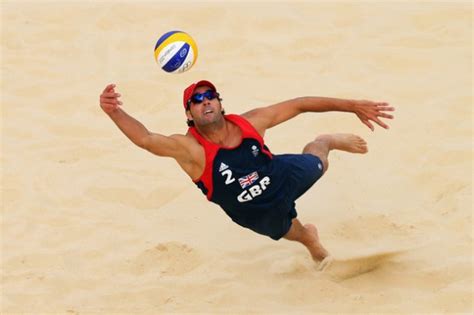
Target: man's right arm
136 131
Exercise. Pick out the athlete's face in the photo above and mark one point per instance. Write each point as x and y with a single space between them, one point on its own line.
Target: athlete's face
205 108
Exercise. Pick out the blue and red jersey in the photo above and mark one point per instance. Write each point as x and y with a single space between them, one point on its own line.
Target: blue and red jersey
250 183
241 179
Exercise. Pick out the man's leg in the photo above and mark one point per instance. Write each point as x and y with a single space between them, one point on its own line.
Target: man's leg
308 236
322 145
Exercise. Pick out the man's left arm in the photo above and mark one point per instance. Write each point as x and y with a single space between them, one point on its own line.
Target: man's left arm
267 117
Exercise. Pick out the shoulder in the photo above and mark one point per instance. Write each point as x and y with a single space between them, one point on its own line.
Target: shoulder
252 114
257 118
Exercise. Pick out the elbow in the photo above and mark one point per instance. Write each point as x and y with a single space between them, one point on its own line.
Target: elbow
297 105
302 104
143 143
147 143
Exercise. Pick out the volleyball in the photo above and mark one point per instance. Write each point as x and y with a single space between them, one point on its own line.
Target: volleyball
176 52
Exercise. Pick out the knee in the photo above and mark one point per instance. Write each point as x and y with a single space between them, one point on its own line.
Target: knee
315 149
325 163
320 147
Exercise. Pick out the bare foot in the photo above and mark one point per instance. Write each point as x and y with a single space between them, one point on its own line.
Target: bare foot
318 252
346 142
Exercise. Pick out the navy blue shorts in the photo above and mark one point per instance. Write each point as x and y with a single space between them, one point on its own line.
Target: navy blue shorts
301 172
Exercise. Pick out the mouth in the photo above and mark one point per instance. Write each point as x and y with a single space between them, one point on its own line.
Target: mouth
209 111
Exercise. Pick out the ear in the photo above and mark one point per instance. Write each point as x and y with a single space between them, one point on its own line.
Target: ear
188 114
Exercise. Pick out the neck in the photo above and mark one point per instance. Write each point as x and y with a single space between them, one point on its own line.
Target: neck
217 132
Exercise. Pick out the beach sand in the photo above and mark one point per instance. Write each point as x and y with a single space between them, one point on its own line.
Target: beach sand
92 224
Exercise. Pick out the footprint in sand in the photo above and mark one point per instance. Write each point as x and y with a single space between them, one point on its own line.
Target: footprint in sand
345 268
170 258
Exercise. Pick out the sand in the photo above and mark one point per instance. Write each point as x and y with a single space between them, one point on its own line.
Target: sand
92 224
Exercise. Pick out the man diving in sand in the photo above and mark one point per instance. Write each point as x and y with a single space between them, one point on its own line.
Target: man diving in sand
226 156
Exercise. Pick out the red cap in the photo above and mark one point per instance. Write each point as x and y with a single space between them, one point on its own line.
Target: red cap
189 91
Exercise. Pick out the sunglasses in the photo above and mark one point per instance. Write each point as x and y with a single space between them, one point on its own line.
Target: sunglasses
199 97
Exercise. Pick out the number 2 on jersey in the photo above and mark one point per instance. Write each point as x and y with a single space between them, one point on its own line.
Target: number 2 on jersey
229 179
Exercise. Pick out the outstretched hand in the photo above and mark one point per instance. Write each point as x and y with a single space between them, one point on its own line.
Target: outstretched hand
109 99
368 111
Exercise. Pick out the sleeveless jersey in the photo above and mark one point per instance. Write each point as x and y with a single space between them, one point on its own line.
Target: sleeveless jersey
246 180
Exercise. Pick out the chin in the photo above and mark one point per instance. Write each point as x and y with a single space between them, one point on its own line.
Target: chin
211 120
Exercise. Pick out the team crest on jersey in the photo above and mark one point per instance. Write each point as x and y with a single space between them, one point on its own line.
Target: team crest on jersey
248 179
254 150
223 167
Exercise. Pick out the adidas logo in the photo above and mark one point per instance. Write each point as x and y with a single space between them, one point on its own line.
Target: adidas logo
223 167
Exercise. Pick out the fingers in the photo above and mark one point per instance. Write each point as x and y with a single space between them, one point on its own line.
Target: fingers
377 121
110 95
384 106
372 111
368 124
113 99
385 115
109 99
380 123
109 88
110 102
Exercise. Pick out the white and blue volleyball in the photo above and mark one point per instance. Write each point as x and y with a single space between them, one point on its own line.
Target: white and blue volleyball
176 52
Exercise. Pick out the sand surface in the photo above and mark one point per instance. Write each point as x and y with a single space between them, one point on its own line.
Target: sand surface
92 224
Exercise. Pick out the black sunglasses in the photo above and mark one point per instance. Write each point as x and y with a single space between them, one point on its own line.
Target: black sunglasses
199 97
